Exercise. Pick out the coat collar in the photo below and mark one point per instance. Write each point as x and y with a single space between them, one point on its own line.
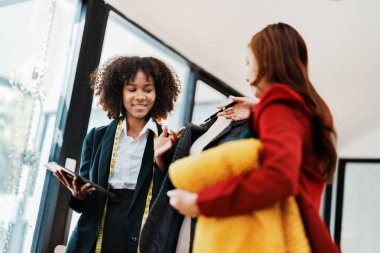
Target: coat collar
225 132
189 135
192 132
150 125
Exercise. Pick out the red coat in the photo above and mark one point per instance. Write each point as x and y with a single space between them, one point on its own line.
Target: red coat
282 121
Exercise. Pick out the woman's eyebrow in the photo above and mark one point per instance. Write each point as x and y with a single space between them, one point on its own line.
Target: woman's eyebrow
145 84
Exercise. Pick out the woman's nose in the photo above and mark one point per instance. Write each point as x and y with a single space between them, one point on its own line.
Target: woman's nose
140 95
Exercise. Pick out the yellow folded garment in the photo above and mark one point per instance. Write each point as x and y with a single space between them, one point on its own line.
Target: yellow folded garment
276 229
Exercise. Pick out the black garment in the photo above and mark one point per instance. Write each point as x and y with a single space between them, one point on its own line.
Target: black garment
161 230
95 164
114 229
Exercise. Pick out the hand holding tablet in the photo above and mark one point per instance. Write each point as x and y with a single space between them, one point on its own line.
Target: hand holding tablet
78 185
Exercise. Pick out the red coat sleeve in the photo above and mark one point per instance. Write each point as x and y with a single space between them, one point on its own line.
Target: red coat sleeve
281 132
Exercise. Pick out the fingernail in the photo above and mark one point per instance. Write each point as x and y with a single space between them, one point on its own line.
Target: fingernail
169 193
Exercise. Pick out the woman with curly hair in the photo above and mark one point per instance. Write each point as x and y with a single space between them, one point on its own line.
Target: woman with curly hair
136 93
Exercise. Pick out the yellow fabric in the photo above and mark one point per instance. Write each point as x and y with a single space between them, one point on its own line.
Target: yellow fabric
276 229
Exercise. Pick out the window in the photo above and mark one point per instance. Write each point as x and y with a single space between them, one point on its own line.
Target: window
357 219
205 102
36 39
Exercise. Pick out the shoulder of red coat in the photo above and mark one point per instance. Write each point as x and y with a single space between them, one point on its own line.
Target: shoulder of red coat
280 93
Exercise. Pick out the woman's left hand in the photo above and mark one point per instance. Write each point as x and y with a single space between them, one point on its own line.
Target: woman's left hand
184 201
164 143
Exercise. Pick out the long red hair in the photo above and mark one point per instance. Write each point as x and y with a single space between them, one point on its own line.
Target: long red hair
282 57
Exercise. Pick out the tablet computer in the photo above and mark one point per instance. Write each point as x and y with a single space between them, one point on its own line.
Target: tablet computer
53 166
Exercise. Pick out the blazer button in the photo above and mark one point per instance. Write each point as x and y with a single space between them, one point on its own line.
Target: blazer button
134 239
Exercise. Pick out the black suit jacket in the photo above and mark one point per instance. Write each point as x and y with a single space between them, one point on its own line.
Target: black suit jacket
161 230
95 164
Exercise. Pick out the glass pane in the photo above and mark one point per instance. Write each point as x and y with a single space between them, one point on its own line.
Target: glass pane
361 208
36 39
205 102
122 38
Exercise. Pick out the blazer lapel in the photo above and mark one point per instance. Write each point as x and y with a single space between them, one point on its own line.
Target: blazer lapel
189 136
102 166
105 154
146 167
225 132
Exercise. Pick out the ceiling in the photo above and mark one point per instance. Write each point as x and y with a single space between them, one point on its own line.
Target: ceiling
343 39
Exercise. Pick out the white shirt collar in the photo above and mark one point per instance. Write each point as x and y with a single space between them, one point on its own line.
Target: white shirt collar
149 125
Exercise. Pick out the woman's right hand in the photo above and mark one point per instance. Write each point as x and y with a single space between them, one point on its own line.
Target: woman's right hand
164 143
239 111
78 191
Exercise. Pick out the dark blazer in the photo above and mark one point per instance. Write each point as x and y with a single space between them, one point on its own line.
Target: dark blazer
95 164
161 230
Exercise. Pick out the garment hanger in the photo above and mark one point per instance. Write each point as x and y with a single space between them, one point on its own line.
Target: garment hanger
221 110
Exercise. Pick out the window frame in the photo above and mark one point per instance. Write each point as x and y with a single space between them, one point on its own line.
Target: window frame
341 172
52 226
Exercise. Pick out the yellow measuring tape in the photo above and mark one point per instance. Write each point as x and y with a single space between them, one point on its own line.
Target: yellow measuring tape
147 203
115 147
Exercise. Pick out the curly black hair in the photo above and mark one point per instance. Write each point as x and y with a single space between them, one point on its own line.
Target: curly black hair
107 82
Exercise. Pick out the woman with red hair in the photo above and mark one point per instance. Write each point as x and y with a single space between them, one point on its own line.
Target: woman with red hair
296 129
